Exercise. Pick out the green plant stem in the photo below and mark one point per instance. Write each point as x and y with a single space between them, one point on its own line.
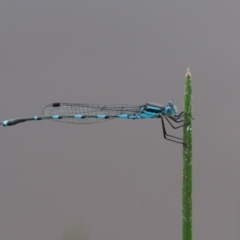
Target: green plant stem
187 160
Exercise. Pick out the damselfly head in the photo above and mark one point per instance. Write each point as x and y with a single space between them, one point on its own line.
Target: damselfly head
170 109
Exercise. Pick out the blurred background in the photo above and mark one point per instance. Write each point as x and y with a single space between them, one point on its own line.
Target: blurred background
118 179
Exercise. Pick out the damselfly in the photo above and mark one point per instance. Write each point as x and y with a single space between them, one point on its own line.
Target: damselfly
94 113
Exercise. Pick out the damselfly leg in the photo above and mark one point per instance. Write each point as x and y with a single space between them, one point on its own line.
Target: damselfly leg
168 136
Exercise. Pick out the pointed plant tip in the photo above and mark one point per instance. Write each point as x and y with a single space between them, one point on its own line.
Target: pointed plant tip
188 74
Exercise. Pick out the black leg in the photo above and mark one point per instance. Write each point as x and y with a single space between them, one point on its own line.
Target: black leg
179 115
167 136
175 119
173 125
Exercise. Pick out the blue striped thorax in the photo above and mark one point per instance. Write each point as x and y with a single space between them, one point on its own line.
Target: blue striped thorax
152 110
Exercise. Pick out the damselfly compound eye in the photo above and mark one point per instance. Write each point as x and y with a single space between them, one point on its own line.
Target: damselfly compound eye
168 110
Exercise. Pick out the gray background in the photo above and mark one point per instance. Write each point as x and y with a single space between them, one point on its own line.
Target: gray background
119 179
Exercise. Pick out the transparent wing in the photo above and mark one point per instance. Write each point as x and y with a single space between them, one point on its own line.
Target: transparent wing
90 111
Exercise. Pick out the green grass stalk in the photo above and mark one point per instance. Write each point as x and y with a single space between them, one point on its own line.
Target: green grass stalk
187 160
